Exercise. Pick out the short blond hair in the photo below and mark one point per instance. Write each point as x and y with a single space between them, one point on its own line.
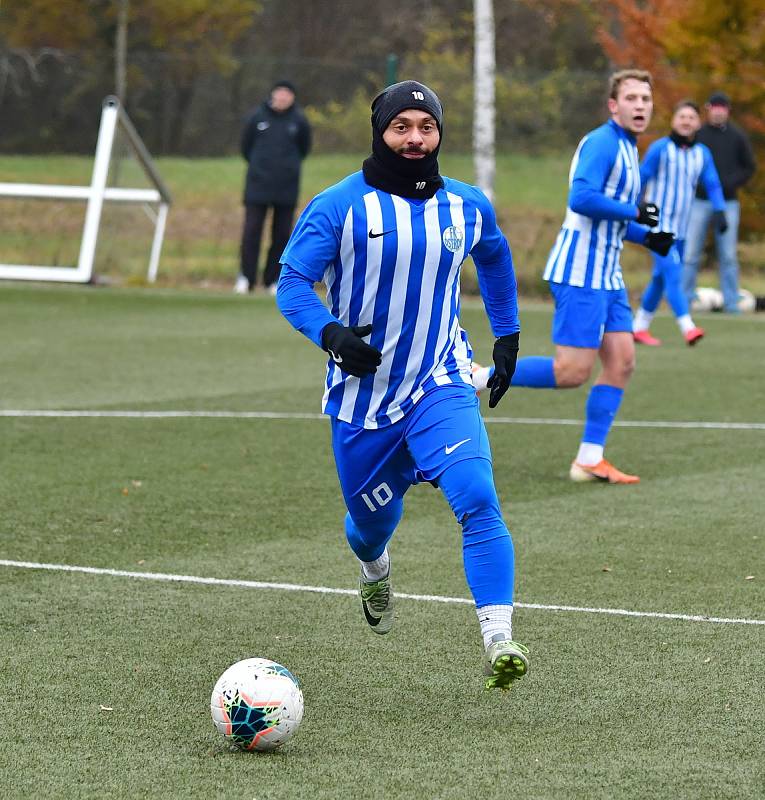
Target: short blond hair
618 78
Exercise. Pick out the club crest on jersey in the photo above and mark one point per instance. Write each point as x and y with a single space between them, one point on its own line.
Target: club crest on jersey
453 237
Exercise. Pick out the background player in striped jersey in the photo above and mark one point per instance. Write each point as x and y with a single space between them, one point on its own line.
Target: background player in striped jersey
593 318
670 171
389 242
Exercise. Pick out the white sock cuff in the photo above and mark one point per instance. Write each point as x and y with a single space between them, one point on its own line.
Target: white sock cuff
685 323
495 619
642 321
589 454
377 569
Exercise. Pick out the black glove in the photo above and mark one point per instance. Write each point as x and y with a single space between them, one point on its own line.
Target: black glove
660 243
347 349
721 221
648 214
505 354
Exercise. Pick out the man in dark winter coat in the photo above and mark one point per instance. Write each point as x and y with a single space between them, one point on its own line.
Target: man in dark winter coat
275 140
733 158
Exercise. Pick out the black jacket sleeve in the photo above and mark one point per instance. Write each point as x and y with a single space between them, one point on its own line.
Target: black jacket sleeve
746 168
304 137
248 137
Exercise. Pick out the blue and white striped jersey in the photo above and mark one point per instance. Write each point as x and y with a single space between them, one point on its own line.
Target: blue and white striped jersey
604 186
670 174
395 263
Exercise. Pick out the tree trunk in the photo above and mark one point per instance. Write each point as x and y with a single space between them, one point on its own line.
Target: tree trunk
483 96
120 51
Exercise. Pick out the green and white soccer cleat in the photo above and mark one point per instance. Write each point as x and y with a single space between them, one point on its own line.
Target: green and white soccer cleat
506 661
377 603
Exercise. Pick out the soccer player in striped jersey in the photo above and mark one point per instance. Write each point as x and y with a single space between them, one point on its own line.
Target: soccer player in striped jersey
593 318
388 242
670 171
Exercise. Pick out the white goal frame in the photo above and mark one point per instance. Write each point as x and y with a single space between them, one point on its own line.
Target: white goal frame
113 117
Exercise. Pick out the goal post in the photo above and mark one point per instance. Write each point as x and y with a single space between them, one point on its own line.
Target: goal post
156 201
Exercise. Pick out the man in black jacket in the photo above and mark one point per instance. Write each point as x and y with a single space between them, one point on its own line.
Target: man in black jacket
275 140
732 154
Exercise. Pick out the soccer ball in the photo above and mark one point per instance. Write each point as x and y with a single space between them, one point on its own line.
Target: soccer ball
747 302
257 704
707 299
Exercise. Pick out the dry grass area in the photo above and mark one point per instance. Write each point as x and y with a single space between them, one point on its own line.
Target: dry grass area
202 238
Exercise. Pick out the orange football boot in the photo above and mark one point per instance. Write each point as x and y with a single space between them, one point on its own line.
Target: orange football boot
694 335
602 471
644 337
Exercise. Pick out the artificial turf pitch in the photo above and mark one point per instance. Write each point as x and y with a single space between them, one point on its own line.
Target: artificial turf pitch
106 679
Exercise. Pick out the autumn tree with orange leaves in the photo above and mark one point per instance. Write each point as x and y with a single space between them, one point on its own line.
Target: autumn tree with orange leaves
692 48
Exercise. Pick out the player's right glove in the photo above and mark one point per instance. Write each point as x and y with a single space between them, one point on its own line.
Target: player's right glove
504 355
348 350
721 221
648 214
660 243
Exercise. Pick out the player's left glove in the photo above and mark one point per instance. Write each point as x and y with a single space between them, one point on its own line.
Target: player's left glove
504 355
721 221
660 242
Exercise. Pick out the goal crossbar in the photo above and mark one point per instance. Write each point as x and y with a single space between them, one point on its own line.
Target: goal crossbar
112 117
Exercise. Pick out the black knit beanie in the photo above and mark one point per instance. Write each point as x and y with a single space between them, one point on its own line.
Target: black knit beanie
403 95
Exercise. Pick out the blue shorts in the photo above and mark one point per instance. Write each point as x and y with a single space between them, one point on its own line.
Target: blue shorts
583 315
376 466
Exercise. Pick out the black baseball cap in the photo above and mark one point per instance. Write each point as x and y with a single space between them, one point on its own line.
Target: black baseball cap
719 99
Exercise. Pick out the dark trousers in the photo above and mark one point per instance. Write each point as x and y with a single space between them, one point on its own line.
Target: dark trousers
281 227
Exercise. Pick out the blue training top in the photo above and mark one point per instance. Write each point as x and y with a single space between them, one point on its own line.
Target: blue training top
395 263
604 187
671 173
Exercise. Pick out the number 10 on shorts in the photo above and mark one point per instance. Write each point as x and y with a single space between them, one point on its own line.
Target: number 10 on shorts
381 495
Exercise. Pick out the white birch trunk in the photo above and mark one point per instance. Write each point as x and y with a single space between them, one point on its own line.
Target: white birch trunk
120 51
483 96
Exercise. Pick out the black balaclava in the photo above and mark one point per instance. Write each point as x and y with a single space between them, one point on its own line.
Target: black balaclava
416 178
682 141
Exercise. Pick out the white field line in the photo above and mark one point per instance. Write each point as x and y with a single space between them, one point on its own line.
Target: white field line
294 587
286 415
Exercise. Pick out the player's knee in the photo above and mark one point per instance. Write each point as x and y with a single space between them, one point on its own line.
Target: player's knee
476 497
570 374
370 532
627 367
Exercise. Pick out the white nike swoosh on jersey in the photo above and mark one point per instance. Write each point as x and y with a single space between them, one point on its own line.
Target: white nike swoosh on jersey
449 450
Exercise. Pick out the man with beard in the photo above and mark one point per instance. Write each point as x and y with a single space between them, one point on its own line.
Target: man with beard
388 242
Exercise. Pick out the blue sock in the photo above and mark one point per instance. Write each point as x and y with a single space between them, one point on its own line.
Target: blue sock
602 404
536 372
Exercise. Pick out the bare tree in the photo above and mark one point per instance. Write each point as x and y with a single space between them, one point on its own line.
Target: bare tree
483 96
120 51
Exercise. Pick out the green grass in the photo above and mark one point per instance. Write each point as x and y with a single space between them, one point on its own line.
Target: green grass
204 225
614 707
